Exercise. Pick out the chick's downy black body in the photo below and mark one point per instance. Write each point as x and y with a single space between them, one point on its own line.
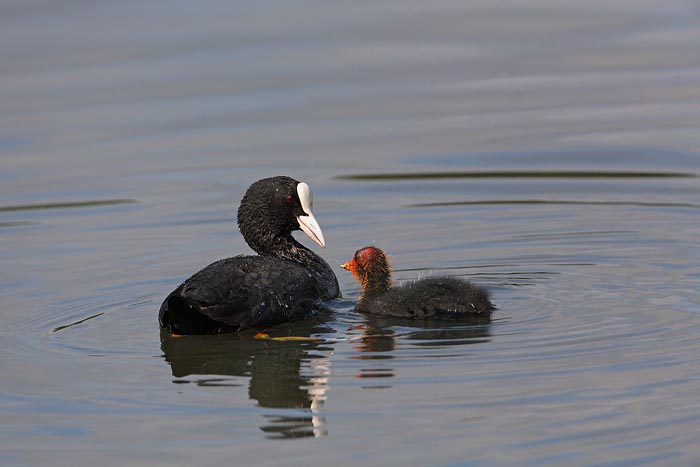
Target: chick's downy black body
284 283
432 297
443 297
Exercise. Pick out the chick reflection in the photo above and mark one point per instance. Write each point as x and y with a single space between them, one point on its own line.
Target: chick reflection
380 340
283 373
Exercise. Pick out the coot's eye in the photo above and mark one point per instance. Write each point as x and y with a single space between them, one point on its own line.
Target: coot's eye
289 199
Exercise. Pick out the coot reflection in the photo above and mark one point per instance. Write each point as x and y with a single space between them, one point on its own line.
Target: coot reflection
282 374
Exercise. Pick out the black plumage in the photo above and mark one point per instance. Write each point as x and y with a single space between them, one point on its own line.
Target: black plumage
431 297
285 282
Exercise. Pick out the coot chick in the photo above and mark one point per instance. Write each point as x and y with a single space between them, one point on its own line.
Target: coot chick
284 283
432 297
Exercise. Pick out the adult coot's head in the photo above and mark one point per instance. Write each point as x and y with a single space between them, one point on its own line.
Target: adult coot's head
272 209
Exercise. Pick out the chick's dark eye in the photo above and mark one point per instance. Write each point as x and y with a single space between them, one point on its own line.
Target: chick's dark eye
289 199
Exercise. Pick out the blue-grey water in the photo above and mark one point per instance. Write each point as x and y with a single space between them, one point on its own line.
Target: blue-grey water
548 150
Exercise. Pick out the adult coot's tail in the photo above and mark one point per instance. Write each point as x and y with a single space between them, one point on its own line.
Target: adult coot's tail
182 315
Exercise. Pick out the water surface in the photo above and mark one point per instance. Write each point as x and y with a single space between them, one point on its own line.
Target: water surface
547 151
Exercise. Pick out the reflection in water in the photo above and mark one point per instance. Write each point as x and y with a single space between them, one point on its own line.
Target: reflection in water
514 174
74 204
380 340
443 204
283 374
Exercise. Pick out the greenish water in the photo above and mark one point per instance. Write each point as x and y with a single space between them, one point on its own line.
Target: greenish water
548 151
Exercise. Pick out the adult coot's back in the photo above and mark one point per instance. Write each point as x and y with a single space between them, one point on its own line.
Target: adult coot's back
284 283
433 297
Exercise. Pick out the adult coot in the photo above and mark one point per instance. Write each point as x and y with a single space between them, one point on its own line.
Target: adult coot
285 282
432 297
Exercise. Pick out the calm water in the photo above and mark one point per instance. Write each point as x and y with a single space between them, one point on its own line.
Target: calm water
548 151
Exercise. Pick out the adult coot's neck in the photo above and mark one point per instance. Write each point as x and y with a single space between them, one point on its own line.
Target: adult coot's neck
269 212
286 247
